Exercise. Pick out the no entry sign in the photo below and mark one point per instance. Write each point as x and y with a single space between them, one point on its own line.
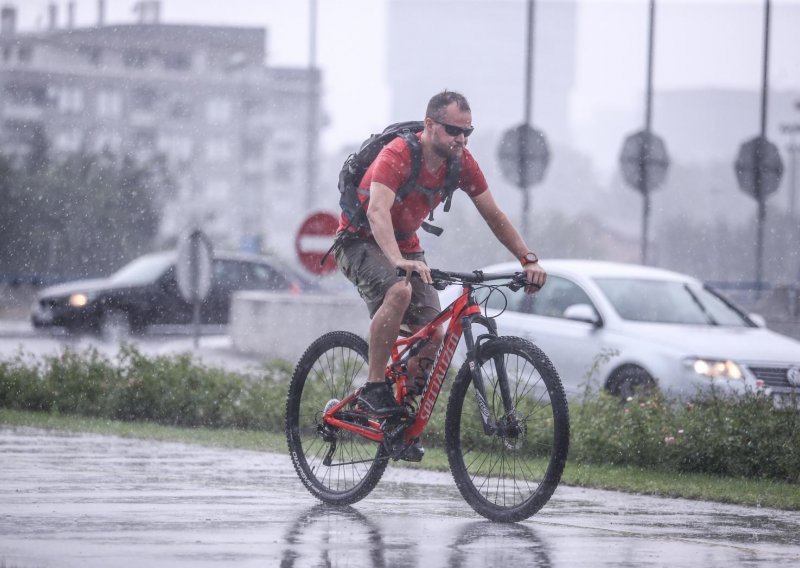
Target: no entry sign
314 239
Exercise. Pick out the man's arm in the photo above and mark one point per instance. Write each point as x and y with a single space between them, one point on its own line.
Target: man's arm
508 235
381 199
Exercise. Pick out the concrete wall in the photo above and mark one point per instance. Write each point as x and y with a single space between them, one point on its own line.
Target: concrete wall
284 325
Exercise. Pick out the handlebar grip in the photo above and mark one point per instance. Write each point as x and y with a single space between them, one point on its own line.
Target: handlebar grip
402 272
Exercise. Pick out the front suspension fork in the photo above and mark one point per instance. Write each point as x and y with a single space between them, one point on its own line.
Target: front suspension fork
489 424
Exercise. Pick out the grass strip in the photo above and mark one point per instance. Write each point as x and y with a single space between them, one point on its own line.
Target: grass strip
760 493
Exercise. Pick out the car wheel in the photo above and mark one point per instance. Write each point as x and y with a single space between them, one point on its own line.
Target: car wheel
629 382
115 326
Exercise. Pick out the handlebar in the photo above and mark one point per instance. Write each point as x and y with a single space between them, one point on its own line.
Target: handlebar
442 278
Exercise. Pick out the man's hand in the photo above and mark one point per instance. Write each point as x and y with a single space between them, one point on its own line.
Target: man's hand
536 276
412 266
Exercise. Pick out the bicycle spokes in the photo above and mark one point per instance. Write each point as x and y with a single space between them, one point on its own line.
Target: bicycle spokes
509 473
336 465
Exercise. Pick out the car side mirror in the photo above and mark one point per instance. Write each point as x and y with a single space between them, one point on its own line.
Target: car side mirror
584 313
757 319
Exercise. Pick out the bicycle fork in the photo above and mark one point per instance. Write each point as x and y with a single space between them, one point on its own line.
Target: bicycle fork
508 426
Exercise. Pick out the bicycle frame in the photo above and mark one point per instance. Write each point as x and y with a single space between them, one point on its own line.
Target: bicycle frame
461 313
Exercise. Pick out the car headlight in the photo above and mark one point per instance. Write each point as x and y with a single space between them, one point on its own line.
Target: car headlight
79 300
714 368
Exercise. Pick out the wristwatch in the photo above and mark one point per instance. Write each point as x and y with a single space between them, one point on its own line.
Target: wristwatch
529 258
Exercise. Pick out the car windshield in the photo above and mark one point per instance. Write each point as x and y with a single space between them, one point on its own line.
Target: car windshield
143 270
664 301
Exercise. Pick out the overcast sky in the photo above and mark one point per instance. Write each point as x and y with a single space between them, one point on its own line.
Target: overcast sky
708 43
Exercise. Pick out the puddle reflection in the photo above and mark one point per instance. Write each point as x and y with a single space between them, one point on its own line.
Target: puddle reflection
342 536
483 543
333 536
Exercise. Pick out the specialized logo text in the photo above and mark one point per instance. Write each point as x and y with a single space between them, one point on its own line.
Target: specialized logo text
435 385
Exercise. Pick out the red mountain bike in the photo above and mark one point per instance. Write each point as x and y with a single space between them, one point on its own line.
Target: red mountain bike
506 443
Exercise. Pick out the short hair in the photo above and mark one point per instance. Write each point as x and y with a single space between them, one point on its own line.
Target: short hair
442 100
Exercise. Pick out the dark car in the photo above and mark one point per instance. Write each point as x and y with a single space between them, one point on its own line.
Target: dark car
145 292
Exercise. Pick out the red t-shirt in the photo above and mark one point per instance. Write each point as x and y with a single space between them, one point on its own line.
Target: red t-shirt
392 168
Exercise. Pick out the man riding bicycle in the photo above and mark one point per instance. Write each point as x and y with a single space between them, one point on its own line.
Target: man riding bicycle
369 257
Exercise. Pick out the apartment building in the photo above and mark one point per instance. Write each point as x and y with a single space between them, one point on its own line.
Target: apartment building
233 130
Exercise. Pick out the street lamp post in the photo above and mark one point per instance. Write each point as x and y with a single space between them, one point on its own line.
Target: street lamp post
312 129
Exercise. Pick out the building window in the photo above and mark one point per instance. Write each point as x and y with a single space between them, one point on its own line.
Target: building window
254 108
70 100
109 104
178 61
26 94
252 149
218 110
25 53
68 141
178 148
92 54
143 99
218 150
284 171
108 142
135 58
181 110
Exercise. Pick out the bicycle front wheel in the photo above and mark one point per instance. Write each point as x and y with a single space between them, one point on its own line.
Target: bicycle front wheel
335 465
510 474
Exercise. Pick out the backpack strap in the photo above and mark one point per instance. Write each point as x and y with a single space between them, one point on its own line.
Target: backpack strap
450 182
416 164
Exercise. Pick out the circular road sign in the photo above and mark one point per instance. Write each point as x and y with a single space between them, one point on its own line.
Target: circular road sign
193 268
759 163
644 161
314 239
523 155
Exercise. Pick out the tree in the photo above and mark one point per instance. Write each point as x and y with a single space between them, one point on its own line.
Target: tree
81 216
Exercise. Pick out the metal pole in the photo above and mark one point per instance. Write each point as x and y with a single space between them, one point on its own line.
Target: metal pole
793 149
194 267
648 124
527 113
311 133
528 110
762 209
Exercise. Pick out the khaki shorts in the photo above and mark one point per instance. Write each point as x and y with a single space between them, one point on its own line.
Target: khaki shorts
363 263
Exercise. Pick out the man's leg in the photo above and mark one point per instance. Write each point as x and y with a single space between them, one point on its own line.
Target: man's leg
419 366
425 307
385 327
376 397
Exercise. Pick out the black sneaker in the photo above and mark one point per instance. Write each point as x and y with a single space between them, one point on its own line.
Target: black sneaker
377 399
414 452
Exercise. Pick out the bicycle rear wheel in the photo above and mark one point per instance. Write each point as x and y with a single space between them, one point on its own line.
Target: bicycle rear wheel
508 475
336 466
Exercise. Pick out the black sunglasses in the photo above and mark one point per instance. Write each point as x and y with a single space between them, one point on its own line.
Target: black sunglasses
455 130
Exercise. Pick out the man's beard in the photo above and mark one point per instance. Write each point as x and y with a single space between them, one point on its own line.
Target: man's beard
446 151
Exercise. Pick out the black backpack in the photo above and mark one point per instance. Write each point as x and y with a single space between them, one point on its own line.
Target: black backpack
357 163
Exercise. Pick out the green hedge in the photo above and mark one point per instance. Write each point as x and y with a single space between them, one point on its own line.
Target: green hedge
170 390
744 436
741 436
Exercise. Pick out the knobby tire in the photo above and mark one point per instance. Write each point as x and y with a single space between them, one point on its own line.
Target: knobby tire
331 368
508 479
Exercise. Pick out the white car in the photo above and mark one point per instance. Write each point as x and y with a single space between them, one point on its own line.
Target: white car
624 326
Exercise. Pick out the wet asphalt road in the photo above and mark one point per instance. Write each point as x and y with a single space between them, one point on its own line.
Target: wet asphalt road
70 500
